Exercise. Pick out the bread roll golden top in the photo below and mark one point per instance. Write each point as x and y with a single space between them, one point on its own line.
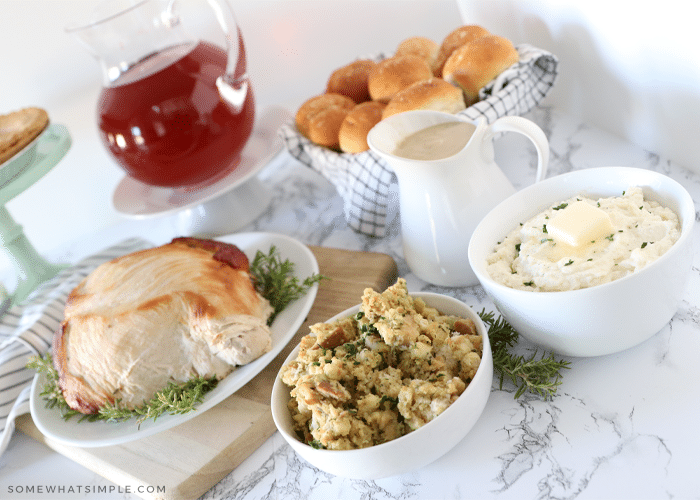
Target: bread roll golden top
454 40
396 73
434 94
320 117
357 124
422 47
421 74
351 80
476 63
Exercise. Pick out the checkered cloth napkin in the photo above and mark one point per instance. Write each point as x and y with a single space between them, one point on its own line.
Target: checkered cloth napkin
363 180
27 330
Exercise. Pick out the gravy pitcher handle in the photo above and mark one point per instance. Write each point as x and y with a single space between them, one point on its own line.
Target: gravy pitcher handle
532 132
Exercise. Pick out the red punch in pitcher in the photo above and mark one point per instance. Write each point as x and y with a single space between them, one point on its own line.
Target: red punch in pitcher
176 109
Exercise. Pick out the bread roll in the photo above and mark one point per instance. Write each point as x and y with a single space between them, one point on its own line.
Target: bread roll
422 47
396 73
476 63
320 117
351 80
435 94
454 40
357 124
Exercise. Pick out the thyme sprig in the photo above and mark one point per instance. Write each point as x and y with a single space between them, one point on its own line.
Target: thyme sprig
538 375
173 399
275 280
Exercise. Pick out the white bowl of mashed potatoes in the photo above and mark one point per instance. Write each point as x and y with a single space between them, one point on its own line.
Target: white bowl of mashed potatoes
382 403
588 263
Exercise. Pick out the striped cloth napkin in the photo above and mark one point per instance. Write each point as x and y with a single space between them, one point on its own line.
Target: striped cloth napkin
363 180
27 330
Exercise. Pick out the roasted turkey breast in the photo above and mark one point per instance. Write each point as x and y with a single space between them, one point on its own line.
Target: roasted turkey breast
166 314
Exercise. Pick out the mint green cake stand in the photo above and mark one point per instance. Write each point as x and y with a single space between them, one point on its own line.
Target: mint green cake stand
17 175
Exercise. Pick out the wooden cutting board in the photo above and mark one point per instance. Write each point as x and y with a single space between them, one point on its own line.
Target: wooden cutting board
186 461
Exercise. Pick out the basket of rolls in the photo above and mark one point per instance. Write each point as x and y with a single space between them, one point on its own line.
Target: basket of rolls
472 72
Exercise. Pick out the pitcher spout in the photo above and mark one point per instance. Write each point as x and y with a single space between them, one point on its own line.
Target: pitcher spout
421 136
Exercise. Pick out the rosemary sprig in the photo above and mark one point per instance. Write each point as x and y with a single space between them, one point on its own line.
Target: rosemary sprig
173 399
50 392
275 280
540 376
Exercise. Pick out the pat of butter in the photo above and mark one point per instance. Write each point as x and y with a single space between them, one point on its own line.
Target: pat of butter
579 224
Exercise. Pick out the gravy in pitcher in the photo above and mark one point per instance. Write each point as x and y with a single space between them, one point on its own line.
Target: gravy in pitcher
435 142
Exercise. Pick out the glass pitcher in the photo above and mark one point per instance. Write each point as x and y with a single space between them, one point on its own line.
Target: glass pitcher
176 107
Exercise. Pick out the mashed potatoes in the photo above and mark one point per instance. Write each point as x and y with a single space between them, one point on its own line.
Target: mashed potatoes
375 376
529 258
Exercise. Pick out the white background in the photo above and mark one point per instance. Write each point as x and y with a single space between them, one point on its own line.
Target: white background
627 68
631 68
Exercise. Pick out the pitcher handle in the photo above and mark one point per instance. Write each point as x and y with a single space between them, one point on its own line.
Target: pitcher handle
233 84
532 132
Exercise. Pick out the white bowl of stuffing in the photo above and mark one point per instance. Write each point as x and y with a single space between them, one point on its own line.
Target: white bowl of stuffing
385 387
590 262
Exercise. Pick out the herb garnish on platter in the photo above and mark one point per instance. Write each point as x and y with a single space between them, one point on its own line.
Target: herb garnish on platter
274 279
540 376
175 399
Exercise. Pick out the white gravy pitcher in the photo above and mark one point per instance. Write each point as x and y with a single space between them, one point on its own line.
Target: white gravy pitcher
442 201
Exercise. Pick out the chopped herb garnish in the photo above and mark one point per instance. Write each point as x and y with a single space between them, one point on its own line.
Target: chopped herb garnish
569 263
393 402
368 328
529 283
560 207
610 237
544 228
351 349
644 244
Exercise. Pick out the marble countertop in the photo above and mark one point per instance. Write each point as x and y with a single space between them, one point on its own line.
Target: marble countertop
622 426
